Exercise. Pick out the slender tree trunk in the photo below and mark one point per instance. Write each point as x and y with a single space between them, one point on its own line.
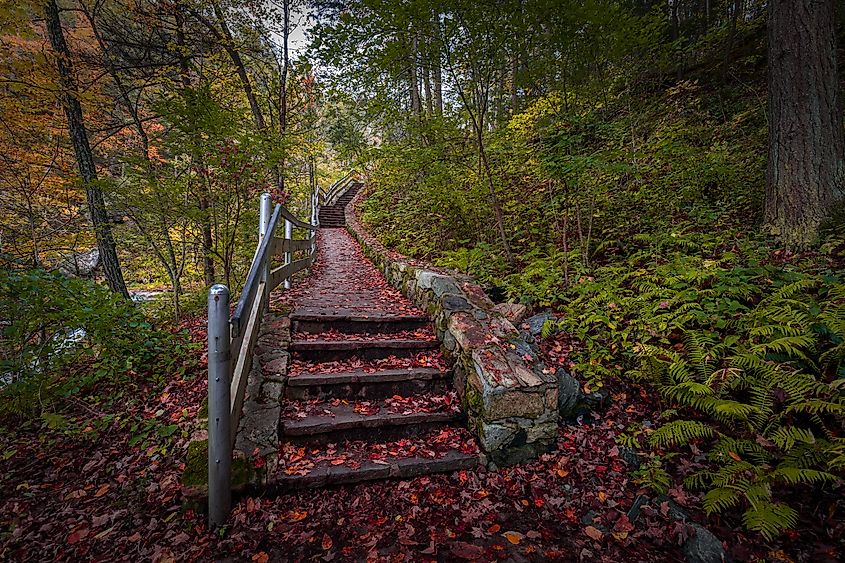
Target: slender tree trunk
413 80
806 168
229 45
283 79
82 149
202 195
513 84
437 74
429 101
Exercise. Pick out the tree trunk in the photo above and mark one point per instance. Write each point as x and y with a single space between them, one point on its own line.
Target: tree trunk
202 197
283 94
437 75
229 45
806 170
429 101
513 85
413 81
82 150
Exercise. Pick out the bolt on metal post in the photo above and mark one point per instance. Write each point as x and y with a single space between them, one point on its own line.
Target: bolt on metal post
219 405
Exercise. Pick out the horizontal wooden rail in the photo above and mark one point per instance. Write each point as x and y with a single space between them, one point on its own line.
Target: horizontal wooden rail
231 340
336 190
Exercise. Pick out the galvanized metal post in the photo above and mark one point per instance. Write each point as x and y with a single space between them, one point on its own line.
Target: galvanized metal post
219 421
315 216
288 254
264 224
265 212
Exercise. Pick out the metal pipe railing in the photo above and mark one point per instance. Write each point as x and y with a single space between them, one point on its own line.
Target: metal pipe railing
231 340
219 423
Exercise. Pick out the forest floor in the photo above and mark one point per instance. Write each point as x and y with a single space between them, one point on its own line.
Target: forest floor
86 494
103 484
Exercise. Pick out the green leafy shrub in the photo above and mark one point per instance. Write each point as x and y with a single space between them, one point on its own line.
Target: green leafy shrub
749 360
772 384
62 335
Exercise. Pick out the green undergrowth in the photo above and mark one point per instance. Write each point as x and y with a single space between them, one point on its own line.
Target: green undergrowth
638 220
69 340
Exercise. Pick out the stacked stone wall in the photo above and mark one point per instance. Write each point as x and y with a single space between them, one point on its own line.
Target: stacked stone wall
510 398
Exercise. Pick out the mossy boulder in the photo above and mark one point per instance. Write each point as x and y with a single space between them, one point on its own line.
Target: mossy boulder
195 476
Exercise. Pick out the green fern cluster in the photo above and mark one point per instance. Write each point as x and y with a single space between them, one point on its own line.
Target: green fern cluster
772 393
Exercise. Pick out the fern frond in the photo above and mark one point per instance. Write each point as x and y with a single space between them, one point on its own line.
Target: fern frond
770 519
680 432
796 475
786 436
720 499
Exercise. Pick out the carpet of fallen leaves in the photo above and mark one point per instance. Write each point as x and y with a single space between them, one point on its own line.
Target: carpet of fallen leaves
95 494
420 334
420 403
432 359
299 460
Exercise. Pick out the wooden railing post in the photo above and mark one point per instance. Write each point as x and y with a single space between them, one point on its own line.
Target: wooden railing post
219 413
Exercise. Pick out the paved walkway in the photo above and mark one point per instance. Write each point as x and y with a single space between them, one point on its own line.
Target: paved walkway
368 394
344 282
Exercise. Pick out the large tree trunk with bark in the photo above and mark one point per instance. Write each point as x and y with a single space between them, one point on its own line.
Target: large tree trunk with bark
82 150
806 171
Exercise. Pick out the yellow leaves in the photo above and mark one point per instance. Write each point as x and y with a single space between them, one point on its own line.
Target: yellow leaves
102 490
513 537
261 557
734 456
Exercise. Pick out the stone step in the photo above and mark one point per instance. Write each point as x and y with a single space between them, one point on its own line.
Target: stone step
359 384
347 321
324 474
343 423
331 350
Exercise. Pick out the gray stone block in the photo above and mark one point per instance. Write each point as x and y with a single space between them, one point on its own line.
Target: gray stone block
535 323
704 547
568 393
494 436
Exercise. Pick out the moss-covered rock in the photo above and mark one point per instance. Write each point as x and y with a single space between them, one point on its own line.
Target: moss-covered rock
196 464
203 412
195 476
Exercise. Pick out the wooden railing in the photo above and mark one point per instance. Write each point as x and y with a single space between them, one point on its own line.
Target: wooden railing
336 190
231 339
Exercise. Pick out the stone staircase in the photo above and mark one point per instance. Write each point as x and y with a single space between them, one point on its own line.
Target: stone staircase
368 394
333 216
